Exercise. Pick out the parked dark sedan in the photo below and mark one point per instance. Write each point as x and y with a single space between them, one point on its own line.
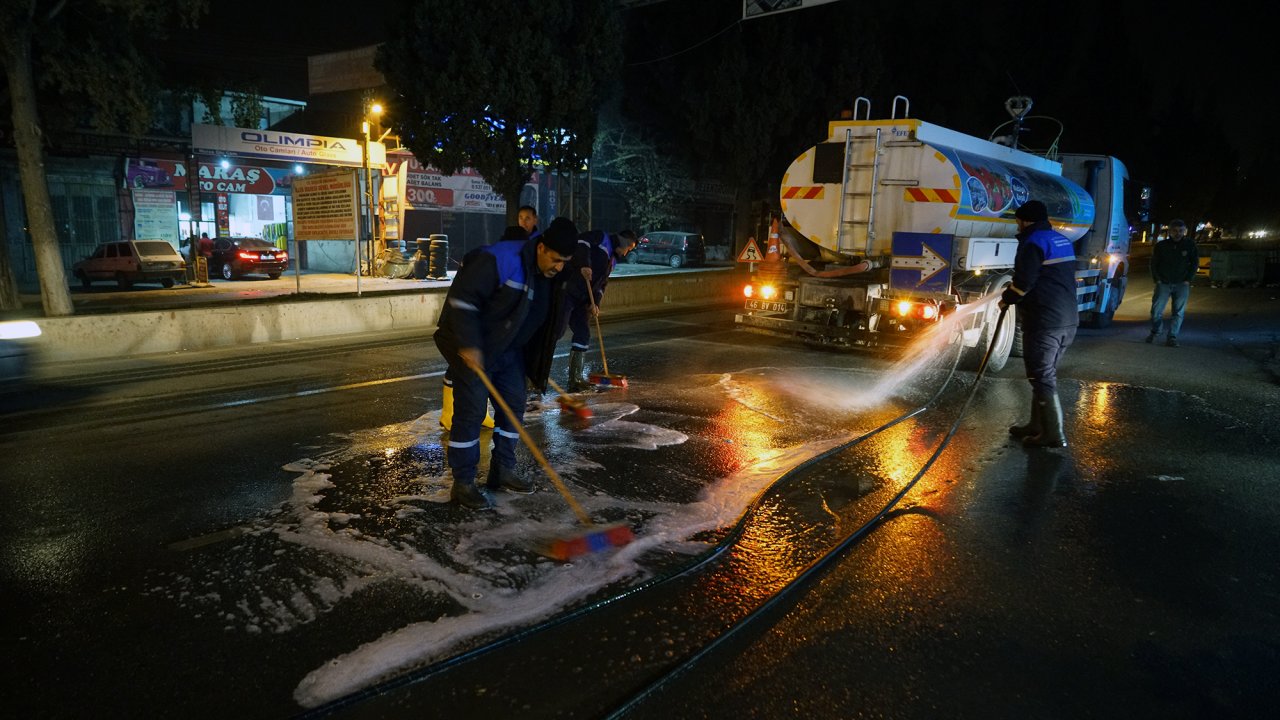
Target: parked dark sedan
233 257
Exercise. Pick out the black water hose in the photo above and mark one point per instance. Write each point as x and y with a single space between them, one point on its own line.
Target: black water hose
820 565
734 533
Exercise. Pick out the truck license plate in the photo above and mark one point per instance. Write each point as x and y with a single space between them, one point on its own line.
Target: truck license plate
766 306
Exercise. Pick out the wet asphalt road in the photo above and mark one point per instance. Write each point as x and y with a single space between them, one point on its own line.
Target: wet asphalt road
171 546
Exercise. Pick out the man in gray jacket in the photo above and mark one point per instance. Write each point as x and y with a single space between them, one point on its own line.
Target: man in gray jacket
1174 261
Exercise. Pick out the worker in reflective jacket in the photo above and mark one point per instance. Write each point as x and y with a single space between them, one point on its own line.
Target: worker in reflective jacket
499 316
1044 292
593 261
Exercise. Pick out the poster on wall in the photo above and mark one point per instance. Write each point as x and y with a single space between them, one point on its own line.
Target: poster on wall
324 206
155 215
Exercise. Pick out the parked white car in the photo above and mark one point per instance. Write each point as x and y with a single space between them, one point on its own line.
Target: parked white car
131 261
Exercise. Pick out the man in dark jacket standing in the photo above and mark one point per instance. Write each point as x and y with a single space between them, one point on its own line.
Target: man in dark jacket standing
1044 291
1174 262
498 316
597 254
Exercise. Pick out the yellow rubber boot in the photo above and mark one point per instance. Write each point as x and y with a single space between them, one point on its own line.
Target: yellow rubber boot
446 410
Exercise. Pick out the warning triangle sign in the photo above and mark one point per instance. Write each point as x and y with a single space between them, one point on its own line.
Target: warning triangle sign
751 253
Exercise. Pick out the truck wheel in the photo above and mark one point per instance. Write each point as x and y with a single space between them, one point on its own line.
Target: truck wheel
123 281
1016 350
972 357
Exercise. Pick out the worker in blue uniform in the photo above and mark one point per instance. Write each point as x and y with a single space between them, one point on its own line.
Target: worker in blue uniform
499 316
597 254
1044 292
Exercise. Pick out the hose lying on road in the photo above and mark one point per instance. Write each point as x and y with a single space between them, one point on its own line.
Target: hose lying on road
730 538
817 567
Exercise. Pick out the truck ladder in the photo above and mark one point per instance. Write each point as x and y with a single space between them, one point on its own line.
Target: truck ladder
853 197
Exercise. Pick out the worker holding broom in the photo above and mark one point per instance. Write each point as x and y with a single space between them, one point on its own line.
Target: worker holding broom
597 254
498 319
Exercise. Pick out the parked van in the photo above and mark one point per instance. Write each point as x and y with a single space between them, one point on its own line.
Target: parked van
670 247
130 261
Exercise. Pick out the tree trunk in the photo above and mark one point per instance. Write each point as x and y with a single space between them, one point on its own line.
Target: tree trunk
55 295
9 299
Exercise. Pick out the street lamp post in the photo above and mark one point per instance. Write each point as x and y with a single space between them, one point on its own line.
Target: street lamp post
370 227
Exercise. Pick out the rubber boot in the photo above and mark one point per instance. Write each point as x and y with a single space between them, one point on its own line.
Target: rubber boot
1033 425
1051 434
505 478
446 410
466 494
577 383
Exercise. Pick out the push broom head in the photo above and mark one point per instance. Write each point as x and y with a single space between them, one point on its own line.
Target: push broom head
571 407
594 539
574 406
607 380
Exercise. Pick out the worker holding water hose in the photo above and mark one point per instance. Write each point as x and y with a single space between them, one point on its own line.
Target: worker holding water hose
1044 291
499 316
597 254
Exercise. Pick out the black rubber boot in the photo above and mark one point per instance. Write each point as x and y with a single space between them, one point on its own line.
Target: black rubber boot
1033 425
1051 434
577 383
466 494
505 478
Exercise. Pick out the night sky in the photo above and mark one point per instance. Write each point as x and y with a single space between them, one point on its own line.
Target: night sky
1182 95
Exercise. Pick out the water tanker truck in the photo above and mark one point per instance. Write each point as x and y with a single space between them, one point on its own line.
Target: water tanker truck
894 225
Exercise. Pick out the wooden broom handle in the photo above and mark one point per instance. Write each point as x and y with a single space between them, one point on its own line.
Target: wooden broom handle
596 316
537 454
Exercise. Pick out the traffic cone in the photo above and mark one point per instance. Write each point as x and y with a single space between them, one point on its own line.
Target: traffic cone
772 249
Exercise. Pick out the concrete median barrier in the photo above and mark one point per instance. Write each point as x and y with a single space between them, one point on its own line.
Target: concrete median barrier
209 327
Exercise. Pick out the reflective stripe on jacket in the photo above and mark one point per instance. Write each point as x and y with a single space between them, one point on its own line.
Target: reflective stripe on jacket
595 249
1044 279
488 300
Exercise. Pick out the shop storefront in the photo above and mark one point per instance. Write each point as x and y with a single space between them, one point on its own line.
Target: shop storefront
237 199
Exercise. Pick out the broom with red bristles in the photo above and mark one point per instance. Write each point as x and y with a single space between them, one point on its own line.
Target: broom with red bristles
595 538
604 379
570 404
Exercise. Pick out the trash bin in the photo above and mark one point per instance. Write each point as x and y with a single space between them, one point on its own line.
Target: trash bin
1237 266
439 268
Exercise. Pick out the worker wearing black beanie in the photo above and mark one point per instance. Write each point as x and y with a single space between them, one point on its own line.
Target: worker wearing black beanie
497 319
1044 292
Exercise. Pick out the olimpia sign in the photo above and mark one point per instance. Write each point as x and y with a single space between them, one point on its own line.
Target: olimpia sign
290 147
